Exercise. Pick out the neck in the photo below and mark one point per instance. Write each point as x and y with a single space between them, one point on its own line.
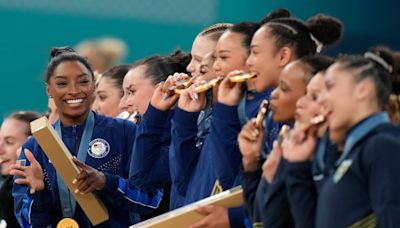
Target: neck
364 112
70 121
275 78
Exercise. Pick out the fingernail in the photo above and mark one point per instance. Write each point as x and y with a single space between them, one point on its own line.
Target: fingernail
82 193
255 133
76 191
74 181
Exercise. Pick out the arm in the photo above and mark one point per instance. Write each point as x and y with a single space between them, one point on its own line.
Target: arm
121 190
250 181
32 210
225 127
301 193
184 153
36 209
117 188
123 194
150 160
300 187
382 158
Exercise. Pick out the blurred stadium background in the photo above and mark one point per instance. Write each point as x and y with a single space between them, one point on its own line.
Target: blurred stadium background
29 28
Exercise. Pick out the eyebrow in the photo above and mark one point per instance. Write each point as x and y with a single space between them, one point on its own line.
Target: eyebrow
80 75
130 86
197 57
101 91
254 45
223 51
314 90
285 84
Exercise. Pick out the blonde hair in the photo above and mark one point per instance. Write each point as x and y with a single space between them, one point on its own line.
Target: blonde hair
111 51
215 31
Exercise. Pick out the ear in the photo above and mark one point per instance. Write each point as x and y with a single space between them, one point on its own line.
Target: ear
285 55
364 90
47 90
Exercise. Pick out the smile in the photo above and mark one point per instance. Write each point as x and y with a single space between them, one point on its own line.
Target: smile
74 101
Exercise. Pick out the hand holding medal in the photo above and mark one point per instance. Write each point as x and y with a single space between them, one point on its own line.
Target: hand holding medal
230 91
302 141
271 165
251 137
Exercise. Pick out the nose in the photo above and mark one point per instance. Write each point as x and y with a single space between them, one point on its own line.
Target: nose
275 94
73 89
322 99
122 103
216 66
249 61
190 68
130 103
2 151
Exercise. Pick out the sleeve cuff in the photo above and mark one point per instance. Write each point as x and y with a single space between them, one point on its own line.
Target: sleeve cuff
299 166
256 172
44 194
236 217
157 117
228 113
186 119
111 182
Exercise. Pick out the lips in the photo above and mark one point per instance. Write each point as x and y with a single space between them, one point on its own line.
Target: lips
218 73
255 74
327 115
297 116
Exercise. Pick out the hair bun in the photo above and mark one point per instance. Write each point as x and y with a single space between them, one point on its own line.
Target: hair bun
179 57
275 14
326 29
56 51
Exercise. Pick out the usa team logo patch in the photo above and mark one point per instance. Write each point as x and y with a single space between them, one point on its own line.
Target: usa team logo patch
99 148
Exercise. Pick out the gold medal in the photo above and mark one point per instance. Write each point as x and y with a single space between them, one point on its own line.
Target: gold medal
242 77
204 87
67 223
262 112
